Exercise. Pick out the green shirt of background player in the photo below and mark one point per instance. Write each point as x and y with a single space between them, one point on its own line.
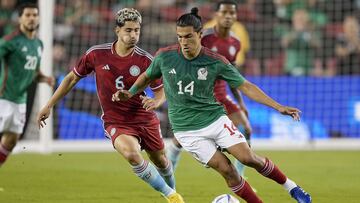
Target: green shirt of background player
20 54
199 123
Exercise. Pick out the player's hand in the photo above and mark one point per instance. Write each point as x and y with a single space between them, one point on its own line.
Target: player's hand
291 111
50 81
42 116
149 104
121 95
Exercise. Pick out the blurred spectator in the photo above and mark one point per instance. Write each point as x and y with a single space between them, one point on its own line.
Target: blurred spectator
7 16
82 12
285 9
59 59
300 43
348 47
247 12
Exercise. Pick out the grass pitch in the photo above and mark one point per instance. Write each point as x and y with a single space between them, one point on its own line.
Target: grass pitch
106 178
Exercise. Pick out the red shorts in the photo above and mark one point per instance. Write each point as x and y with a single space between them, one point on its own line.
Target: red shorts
229 105
149 137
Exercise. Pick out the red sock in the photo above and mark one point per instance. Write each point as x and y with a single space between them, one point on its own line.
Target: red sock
244 191
4 153
271 171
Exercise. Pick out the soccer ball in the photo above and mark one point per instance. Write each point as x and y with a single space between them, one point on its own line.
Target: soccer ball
225 198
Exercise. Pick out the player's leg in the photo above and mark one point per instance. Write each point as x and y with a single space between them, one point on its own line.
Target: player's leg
129 148
153 144
173 151
7 144
163 166
267 168
238 185
12 120
201 145
240 120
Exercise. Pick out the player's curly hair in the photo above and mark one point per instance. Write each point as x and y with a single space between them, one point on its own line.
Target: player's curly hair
190 19
127 14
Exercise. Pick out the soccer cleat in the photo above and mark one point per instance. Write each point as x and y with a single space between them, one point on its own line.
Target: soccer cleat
300 195
175 198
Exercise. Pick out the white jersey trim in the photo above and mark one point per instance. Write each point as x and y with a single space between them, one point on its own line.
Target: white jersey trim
143 53
100 46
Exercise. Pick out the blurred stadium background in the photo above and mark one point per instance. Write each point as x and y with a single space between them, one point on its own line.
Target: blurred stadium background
318 70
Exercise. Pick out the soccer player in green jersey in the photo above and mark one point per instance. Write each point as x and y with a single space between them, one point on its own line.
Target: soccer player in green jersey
189 72
222 40
20 54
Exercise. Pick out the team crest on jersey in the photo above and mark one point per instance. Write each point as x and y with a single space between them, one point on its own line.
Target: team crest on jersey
232 50
24 49
134 70
202 73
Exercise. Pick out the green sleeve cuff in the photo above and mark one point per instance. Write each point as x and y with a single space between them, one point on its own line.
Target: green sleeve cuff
133 89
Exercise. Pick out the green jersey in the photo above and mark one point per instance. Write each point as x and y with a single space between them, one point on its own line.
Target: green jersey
189 85
20 61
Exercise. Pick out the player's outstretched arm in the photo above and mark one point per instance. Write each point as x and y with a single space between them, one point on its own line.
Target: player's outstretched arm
256 94
140 84
66 85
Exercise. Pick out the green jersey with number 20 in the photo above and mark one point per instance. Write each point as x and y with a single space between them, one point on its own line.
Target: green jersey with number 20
20 62
189 85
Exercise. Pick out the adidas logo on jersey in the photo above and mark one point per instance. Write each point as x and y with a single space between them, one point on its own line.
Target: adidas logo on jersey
172 71
24 49
106 67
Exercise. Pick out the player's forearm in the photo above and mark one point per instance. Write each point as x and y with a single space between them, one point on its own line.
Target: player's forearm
66 85
140 84
256 94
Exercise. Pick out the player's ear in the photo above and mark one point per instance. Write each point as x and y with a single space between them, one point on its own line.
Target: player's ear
117 30
200 33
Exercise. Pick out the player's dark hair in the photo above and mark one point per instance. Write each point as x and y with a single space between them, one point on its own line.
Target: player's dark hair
22 7
190 19
231 2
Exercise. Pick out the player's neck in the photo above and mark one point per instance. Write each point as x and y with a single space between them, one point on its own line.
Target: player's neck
192 55
27 33
123 50
222 32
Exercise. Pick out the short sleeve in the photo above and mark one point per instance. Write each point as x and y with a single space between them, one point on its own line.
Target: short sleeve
84 66
154 70
231 75
5 48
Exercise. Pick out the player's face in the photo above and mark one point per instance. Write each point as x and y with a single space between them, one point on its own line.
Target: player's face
189 40
129 33
226 15
29 19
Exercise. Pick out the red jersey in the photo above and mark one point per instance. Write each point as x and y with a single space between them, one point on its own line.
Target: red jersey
227 47
112 73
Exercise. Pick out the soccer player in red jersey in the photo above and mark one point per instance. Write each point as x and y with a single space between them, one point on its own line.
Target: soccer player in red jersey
129 125
221 40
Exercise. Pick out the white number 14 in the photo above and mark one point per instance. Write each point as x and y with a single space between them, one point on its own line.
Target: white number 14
188 88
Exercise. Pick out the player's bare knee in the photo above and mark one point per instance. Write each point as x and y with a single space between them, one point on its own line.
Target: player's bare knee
133 157
9 140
